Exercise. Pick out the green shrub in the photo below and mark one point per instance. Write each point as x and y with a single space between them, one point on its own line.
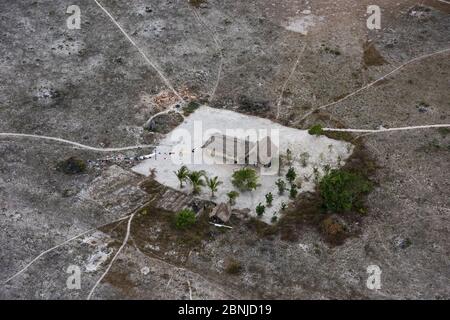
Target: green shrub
274 219
316 130
269 199
291 175
190 108
185 219
233 267
281 186
260 209
293 192
245 179
73 165
342 191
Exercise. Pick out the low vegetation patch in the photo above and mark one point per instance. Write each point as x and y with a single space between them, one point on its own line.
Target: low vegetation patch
72 165
316 130
343 191
190 108
233 267
245 179
197 3
185 219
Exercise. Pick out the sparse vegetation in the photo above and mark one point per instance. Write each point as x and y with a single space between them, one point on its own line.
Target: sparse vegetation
197 3
233 267
182 175
316 130
260 209
73 165
291 175
342 191
184 219
269 199
304 157
293 192
232 196
289 157
281 186
190 108
245 179
213 185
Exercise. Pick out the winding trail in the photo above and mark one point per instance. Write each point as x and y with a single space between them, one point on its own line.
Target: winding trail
219 50
60 245
151 63
388 129
375 82
76 144
124 243
283 89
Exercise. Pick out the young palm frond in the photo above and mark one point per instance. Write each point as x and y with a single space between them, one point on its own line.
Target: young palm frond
182 175
196 180
213 184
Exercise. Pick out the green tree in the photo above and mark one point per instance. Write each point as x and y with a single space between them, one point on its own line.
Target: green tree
260 209
291 175
197 181
281 186
182 175
293 192
283 206
184 219
245 179
213 184
343 191
269 199
232 195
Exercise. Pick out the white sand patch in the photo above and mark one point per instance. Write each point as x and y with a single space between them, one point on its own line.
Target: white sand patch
303 23
100 241
321 152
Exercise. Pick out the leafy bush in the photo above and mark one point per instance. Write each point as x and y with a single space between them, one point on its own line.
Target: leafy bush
342 191
274 219
233 267
291 175
245 179
73 165
281 186
293 192
316 130
185 219
260 209
190 108
269 199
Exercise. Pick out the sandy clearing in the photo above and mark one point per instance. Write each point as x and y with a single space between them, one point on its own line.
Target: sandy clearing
199 126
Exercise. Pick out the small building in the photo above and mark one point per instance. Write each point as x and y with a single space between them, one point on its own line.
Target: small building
232 150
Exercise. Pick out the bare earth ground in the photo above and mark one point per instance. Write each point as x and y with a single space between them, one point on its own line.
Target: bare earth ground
92 86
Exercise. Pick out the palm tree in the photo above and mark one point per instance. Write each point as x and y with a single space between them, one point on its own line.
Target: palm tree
213 184
196 180
182 175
